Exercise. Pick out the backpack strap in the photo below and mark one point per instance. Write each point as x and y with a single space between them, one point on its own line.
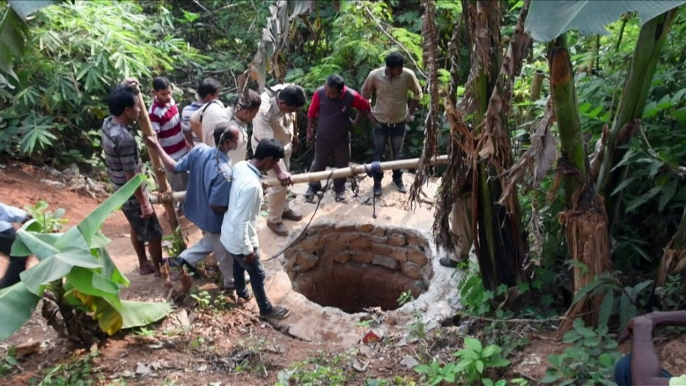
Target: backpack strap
202 113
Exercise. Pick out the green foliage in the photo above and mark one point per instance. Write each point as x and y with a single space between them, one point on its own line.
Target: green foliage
77 52
47 221
78 372
75 268
319 370
175 242
8 361
589 362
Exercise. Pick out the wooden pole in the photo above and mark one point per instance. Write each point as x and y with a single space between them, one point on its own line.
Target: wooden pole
162 184
323 176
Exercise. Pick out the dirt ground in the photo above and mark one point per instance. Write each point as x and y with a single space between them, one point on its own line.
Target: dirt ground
230 346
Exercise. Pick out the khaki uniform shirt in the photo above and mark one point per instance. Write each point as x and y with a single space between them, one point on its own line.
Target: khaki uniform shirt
391 94
271 122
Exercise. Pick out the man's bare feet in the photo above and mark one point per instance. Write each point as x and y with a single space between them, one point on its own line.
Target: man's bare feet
147 269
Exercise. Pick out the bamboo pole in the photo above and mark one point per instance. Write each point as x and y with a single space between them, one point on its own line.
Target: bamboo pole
162 184
323 176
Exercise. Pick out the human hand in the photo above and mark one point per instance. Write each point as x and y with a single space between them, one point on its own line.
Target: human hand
147 211
151 140
284 178
640 322
409 118
27 219
133 82
296 144
249 258
310 136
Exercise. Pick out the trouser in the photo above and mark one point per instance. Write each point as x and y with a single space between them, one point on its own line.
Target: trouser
210 243
276 195
17 264
382 133
623 372
178 183
257 276
461 226
340 151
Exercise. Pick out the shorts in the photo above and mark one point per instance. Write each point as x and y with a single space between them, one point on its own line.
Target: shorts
145 229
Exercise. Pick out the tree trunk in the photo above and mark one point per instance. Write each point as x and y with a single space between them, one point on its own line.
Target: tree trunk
585 219
674 259
643 64
498 240
162 184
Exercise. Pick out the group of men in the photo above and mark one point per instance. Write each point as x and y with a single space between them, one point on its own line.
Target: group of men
204 149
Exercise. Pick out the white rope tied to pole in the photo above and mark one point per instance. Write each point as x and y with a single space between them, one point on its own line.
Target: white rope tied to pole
324 175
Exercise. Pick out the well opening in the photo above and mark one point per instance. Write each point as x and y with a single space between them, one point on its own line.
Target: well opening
353 267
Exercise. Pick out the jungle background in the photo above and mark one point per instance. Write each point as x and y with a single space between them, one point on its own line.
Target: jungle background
625 135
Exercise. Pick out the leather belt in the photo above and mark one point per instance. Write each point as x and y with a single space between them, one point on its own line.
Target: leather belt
399 124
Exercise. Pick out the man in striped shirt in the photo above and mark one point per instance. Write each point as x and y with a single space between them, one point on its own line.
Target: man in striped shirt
165 119
207 91
123 162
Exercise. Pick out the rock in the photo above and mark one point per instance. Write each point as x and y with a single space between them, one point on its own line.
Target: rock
385 261
409 362
382 249
335 246
54 184
27 349
411 270
396 240
304 262
362 244
362 257
364 228
379 231
341 257
399 254
72 170
309 242
345 227
328 237
414 237
348 237
143 369
427 274
416 256
378 239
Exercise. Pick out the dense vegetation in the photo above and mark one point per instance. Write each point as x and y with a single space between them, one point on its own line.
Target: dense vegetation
51 113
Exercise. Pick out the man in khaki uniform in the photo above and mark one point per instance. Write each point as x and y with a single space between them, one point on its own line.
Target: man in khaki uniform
277 119
391 84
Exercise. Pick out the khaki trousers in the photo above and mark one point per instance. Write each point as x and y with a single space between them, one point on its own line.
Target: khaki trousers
276 195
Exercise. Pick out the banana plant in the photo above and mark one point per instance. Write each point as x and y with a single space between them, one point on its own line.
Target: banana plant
77 275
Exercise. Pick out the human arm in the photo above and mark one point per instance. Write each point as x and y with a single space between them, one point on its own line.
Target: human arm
219 194
167 161
645 365
367 87
262 129
312 113
416 90
13 214
363 107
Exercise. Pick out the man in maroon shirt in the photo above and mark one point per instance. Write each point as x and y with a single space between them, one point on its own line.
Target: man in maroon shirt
332 105
166 121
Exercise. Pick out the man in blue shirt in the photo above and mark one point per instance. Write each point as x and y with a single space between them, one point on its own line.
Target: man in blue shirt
207 194
9 215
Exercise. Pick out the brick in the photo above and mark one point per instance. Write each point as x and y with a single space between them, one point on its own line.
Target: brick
382 249
411 270
341 257
385 261
396 240
360 245
304 262
416 256
308 243
362 257
335 246
364 228
347 237
379 231
399 254
378 239
345 227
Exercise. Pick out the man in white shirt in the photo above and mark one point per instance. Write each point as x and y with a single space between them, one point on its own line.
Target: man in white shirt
207 91
277 119
9 215
239 227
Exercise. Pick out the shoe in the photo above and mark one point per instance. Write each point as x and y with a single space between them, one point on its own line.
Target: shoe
377 188
291 215
275 313
247 296
400 185
279 228
447 262
340 196
311 192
